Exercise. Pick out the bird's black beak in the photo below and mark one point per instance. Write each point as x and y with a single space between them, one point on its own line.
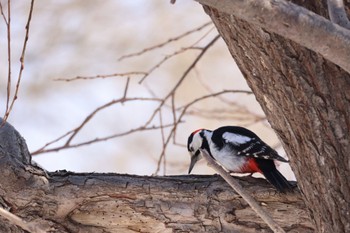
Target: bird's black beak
194 160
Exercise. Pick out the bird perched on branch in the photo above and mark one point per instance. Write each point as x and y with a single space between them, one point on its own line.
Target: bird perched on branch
238 150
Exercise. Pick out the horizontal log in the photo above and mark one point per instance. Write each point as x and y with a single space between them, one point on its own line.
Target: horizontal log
64 201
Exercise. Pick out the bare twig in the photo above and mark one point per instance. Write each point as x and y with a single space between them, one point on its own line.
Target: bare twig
187 71
173 110
245 195
8 31
102 76
235 111
165 145
162 156
90 116
233 114
27 226
165 43
163 142
186 106
165 58
101 139
126 87
182 50
9 109
3 14
75 131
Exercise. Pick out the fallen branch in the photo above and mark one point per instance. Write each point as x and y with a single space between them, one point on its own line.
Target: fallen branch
238 188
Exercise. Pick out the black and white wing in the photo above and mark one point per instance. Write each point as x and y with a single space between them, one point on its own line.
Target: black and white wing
246 143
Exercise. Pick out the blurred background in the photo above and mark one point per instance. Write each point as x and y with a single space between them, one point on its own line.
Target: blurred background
86 38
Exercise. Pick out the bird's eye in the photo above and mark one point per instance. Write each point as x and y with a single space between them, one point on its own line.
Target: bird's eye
191 149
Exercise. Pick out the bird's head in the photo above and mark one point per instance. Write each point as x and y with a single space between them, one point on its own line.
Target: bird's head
194 143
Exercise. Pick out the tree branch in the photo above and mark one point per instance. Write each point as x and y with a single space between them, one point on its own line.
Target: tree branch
292 21
245 195
21 59
337 14
197 29
91 202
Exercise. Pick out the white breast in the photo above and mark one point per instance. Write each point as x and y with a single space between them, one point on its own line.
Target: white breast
226 157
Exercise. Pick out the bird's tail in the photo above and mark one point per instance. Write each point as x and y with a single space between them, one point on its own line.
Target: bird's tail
278 180
271 173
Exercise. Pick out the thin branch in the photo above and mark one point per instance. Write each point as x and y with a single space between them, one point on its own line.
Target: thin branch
76 130
173 110
165 43
42 149
167 57
27 226
245 195
7 113
126 87
204 49
241 115
90 116
102 76
234 111
162 156
101 139
337 13
8 31
186 106
3 14
292 21
165 145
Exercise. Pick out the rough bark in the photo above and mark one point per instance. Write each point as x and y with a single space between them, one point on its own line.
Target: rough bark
307 102
292 21
67 202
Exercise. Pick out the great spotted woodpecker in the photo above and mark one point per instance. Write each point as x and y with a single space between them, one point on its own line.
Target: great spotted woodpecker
238 150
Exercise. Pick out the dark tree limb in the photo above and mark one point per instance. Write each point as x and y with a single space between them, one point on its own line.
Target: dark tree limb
89 202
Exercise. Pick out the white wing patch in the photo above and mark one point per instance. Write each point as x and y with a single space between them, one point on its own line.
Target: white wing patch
236 139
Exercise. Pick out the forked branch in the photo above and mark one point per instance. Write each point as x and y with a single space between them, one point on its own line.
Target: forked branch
9 105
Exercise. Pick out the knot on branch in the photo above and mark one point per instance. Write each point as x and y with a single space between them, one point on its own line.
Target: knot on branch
13 144
16 168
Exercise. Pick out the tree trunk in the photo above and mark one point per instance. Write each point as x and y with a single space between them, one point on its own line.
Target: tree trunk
307 102
89 202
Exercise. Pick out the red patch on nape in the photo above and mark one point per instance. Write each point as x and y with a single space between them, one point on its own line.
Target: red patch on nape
251 166
196 131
